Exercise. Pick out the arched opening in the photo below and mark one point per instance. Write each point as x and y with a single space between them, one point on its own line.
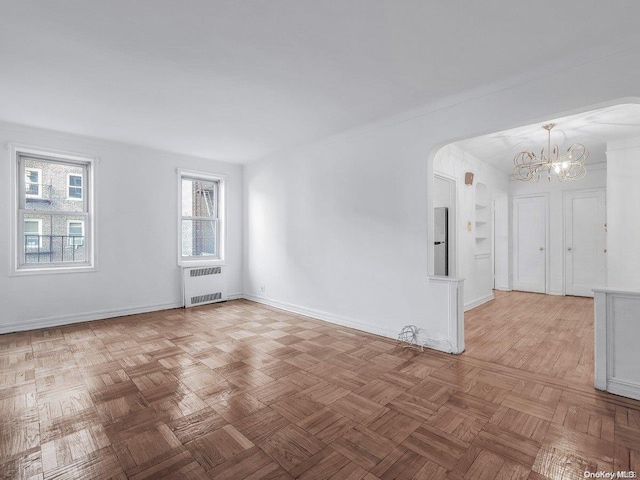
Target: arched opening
494 209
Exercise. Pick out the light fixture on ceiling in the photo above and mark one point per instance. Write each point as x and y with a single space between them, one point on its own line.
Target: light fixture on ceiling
567 167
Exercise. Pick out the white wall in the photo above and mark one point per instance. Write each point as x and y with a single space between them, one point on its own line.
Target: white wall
473 263
596 178
441 194
502 261
341 229
137 208
623 221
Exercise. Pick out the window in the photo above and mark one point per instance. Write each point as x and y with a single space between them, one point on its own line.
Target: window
74 184
75 232
49 232
32 235
201 218
33 185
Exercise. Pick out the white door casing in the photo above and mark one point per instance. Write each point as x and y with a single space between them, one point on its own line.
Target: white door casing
584 249
530 243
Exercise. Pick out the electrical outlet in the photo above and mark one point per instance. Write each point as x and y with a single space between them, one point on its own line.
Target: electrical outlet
262 288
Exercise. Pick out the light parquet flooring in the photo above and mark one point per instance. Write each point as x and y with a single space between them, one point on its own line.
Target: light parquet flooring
243 391
547 334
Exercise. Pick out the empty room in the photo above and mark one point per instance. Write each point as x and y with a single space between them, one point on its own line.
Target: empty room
319 240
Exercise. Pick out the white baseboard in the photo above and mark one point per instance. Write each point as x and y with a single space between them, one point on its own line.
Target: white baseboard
326 316
62 320
443 345
502 288
626 389
82 317
555 292
478 301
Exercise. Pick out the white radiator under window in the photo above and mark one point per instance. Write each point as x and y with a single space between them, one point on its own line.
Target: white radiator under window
203 285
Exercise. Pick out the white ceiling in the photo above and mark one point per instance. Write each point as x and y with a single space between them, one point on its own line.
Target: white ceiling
593 129
237 80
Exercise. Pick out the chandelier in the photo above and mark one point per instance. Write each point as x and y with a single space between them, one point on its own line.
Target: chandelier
567 167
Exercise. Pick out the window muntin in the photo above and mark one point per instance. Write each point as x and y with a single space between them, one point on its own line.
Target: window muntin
201 221
64 223
74 185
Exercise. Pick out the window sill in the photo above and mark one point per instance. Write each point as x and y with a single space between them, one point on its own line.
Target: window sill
54 270
201 262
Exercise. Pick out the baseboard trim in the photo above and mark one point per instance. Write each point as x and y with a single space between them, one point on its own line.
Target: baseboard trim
625 389
62 320
235 296
478 301
555 292
322 315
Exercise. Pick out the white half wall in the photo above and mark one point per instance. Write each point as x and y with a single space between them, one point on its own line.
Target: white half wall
136 225
343 227
617 334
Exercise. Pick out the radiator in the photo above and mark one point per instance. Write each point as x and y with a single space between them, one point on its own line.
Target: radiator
203 285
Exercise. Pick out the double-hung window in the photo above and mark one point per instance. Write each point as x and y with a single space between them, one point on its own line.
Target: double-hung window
32 234
75 233
74 186
201 218
52 230
32 185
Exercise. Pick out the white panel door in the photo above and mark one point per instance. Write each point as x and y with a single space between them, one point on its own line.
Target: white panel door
585 260
530 244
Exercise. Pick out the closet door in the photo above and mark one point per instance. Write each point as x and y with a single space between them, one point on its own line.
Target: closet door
530 243
585 259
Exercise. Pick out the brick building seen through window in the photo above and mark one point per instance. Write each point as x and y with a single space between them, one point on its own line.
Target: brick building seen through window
54 212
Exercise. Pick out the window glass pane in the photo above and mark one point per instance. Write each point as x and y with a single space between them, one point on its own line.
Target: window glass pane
199 198
32 227
199 238
53 191
61 238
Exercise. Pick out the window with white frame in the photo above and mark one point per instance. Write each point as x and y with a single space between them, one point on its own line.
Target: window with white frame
33 182
75 233
201 218
32 234
74 186
52 233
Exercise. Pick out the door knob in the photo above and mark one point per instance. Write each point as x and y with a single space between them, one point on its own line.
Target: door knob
569 248
541 248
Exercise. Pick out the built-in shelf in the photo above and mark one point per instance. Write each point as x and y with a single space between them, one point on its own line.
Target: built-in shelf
482 221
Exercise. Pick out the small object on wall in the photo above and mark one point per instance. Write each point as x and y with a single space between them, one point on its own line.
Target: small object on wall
468 178
408 336
468 225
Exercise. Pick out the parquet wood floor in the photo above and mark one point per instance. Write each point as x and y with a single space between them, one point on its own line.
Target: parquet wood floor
547 334
243 391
